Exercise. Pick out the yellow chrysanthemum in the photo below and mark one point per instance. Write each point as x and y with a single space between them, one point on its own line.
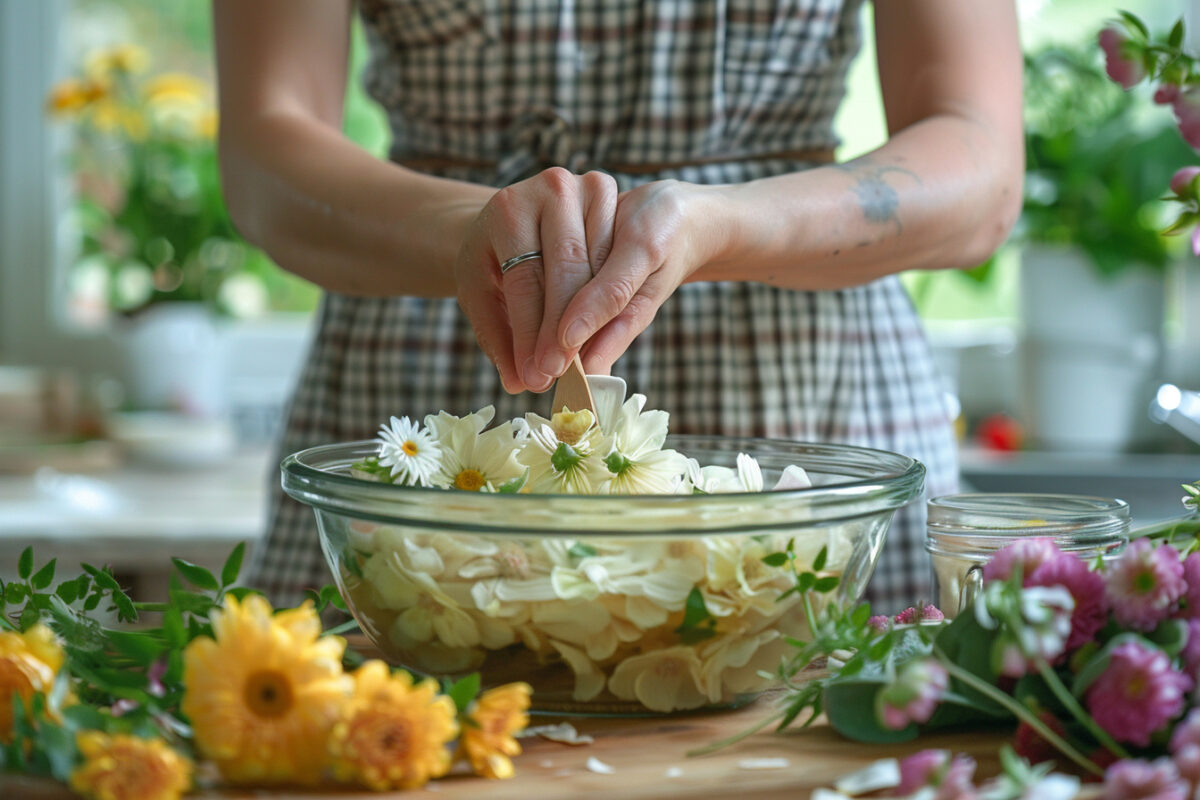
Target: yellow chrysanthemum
111 116
264 693
123 767
487 741
392 735
28 663
124 58
73 95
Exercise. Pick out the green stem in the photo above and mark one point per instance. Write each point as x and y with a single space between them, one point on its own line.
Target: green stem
1188 524
737 737
808 613
1021 712
1068 700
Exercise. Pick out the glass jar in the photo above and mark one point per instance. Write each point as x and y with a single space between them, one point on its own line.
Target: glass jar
965 531
586 597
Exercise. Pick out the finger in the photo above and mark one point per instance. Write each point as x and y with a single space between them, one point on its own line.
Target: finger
620 278
581 223
567 269
475 272
611 341
514 231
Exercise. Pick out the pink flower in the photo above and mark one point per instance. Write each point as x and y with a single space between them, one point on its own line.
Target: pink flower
1187 115
1028 553
1196 241
1087 589
1117 62
1191 565
914 696
1165 95
1187 761
880 623
1191 651
1186 732
910 615
936 768
1137 694
1144 584
1135 779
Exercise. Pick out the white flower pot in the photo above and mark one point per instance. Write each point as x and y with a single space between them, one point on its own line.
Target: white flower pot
175 360
1091 351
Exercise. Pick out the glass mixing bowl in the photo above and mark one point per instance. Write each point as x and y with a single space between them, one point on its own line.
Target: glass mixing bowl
604 604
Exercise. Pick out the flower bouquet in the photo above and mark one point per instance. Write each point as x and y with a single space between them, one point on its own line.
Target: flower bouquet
222 690
1097 664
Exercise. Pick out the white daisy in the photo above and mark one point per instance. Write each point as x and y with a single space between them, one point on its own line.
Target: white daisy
746 478
635 457
473 460
561 455
409 451
441 422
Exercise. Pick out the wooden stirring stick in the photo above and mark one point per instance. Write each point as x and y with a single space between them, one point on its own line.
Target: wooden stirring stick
572 390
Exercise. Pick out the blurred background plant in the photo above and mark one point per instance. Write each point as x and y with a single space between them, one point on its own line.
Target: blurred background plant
152 223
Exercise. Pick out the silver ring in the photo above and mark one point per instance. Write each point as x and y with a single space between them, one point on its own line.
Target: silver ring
512 262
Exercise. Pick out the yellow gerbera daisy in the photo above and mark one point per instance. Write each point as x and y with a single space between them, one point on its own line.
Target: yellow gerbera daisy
28 663
487 740
392 735
74 95
125 58
124 767
263 695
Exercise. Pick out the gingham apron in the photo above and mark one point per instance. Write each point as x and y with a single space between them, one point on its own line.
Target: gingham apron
505 88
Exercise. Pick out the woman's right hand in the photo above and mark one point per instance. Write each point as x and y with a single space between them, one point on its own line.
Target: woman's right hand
569 219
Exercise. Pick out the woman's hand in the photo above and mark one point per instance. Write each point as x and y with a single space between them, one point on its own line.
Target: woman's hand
664 231
517 315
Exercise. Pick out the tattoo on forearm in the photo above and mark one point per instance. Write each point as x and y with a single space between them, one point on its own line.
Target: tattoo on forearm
876 197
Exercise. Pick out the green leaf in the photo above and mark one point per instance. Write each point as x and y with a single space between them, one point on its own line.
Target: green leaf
91 603
68 591
1171 635
104 578
805 581
57 744
44 576
580 551
25 563
138 646
196 575
826 584
515 485
775 559
81 716
850 708
822 557
1134 24
14 593
969 645
860 615
464 691
126 611
233 565
697 624
191 602
173 630
1175 37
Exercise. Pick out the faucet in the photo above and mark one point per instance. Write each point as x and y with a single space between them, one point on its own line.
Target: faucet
1179 408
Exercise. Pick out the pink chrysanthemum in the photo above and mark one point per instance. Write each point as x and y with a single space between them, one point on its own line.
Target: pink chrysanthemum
936 768
1135 779
880 623
1191 576
1118 62
911 616
914 696
1144 584
1028 553
1087 589
1191 651
1187 761
1186 732
1137 694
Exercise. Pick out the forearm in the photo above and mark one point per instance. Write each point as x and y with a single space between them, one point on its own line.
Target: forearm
330 212
941 193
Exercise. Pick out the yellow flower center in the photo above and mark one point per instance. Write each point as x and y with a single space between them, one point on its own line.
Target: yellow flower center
410 448
570 426
268 693
469 480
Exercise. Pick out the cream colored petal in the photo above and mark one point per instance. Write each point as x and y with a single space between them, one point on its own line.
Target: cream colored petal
589 680
416 624
455 628
600 646
571 584
645 613
493 633
422 559
585 618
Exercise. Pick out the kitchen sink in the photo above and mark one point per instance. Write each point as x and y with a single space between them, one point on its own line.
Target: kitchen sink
1148 482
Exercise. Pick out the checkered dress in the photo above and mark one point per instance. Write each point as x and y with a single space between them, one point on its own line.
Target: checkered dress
505 88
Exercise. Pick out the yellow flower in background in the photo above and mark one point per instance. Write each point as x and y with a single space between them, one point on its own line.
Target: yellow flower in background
206 125
487 739
28 663
113 116
392 734
74 95
263 694
123 58
176 87
124 767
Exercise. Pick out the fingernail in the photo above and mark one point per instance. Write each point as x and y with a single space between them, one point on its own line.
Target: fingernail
554 363
578 332
532 376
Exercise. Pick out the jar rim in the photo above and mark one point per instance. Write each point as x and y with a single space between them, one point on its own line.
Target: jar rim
1004 515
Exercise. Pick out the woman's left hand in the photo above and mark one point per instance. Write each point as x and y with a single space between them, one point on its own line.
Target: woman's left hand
663 232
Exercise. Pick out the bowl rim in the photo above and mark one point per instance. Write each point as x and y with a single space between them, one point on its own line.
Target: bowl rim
300 479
